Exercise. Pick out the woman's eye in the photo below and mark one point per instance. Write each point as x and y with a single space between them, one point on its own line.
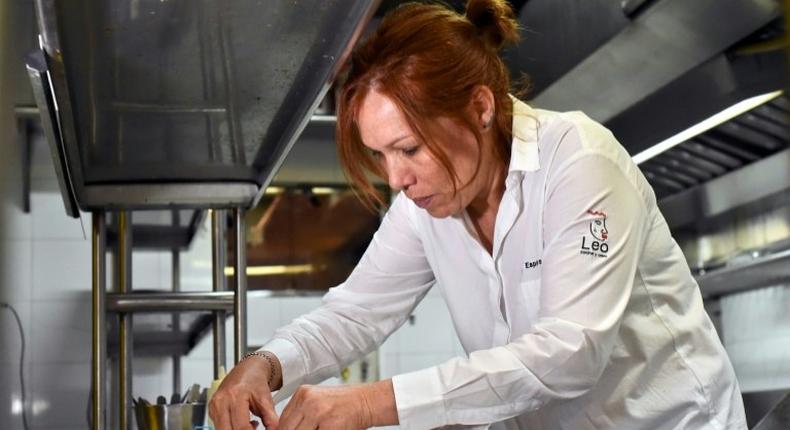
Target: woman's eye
410 151
376 155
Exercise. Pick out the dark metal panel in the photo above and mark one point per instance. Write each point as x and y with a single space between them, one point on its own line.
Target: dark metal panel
762 125
749 136
669 173
669 39
559 34
711 159
778 418
724 146
675 161
782 103
773 113
695 96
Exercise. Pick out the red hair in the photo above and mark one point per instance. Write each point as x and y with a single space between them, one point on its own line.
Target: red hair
428 60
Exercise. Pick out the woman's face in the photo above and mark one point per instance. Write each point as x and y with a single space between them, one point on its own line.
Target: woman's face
409 165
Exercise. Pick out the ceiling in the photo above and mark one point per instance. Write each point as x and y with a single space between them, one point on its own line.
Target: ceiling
646 69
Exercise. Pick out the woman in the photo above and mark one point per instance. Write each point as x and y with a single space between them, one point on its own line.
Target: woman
575 305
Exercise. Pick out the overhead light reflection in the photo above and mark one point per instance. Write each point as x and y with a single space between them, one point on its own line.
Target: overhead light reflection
705 125
323 190
293 269
271 191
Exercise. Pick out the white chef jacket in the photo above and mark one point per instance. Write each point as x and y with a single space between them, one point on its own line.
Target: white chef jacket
585 316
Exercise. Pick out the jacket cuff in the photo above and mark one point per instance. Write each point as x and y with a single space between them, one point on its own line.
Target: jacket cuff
419 399
292 365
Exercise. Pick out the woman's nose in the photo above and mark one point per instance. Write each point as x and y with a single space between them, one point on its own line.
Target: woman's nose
399 176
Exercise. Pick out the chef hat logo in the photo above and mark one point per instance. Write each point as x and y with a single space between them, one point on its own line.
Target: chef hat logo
598 225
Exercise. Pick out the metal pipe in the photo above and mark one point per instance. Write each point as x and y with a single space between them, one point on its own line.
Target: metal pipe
171 302
240 287
124 286
218 277
98 344
176 281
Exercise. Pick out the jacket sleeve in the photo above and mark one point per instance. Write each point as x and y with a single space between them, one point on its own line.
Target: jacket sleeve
583 294
355 317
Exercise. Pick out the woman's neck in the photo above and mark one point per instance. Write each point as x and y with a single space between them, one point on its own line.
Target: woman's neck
483 209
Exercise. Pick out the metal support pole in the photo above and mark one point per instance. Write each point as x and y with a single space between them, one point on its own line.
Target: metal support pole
98 340
240 287
175 281
124 282
218 269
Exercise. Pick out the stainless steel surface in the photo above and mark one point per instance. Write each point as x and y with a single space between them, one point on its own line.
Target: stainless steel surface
762 179
124 286
747 273
171 302
42 92
666 41
218 218
240 286
778 418
154 93
98 345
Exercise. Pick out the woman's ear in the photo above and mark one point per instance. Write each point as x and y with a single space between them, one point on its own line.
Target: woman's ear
482 105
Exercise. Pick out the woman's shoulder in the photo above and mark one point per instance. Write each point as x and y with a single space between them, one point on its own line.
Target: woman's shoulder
575 128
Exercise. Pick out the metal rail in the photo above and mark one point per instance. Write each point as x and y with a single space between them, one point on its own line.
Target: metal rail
125 351
218 274
240 287
98 339
171 302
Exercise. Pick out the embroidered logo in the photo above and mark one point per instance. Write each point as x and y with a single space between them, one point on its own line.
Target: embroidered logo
596 245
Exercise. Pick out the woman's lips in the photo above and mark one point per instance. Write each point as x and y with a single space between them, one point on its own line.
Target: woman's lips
423 202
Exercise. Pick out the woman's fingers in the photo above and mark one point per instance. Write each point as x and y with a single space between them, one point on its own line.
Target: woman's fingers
219 411
289 418
263 407
239 416
292 422
307 423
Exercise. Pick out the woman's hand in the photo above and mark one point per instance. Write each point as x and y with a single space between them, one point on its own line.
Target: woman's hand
246 389
353 407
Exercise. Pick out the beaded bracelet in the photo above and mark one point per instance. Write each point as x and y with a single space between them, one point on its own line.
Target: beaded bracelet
272 366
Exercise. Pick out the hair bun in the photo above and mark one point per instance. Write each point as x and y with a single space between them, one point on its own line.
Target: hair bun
495 21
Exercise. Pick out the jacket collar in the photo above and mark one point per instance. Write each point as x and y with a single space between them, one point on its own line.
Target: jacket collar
524 155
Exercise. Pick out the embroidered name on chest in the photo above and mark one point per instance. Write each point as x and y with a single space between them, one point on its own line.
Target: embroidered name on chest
532 264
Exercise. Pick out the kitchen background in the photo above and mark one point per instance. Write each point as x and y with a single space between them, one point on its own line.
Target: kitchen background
45 256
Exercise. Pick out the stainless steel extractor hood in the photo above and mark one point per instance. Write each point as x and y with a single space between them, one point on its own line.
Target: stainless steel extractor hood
189 103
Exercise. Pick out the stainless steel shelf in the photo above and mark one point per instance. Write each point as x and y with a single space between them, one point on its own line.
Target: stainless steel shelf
750 271
183 103
153 334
